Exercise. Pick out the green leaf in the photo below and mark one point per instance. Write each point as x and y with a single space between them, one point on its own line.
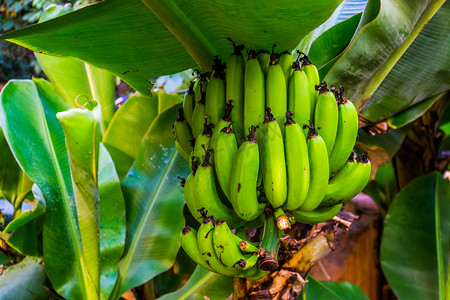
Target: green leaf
135 115
384 42
28 117
148 49
26 280
415 240
154 205
83 141
112 222
201 284
329 290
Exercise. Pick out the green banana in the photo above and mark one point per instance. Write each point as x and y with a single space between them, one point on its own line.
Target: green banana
202 142
285 62
182 132
199 118
189 103
200 86
180 150
224 155
206 248
297 163
223 122
264 60
188 238
348 182
318 165
254 93
235 88
215 93
273 161
318 215
189 194
244 245
243 179
206 194
347 131
313 79
298 96
227 250
326 116
276 92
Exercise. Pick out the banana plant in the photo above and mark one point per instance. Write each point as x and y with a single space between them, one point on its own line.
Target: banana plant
373 54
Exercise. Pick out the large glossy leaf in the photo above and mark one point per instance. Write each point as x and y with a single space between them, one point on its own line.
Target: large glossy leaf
26 280
28 117
148 49
154 206
201 284
415 241
112 222
82 134
379 46
330 290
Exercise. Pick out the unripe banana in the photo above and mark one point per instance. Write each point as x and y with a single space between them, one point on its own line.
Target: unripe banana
285 62
273 161
318 164
215 94
347 131
348 183
200 86
276 92
243 179
180 150
206 248
254 93
199 117
189 104
244 245
264 60
223 122
206 194
326 116
189 194
227 250
318 215
202 142
298 96
313 79
188 240
182 132
235 89
224 155
297 163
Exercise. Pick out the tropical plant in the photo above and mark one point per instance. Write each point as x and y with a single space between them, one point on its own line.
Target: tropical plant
108 211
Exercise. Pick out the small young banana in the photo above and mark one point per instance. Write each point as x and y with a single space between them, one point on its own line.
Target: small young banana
189 103
224 155
348 182
276 92
235 88
264 60
318 164
215 94
297 163
206 248
347 131
285 62
245 246
326 116
273 161
254 93
318 215
298 96
207 197
243 179
182 132
188 238
313 79
199 117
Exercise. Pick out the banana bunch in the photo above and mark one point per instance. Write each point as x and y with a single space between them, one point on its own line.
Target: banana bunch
268 133
217 249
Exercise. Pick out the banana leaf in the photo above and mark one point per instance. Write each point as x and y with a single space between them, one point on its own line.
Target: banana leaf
26 280
415 240
201 284
330 290
148 48
154 206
